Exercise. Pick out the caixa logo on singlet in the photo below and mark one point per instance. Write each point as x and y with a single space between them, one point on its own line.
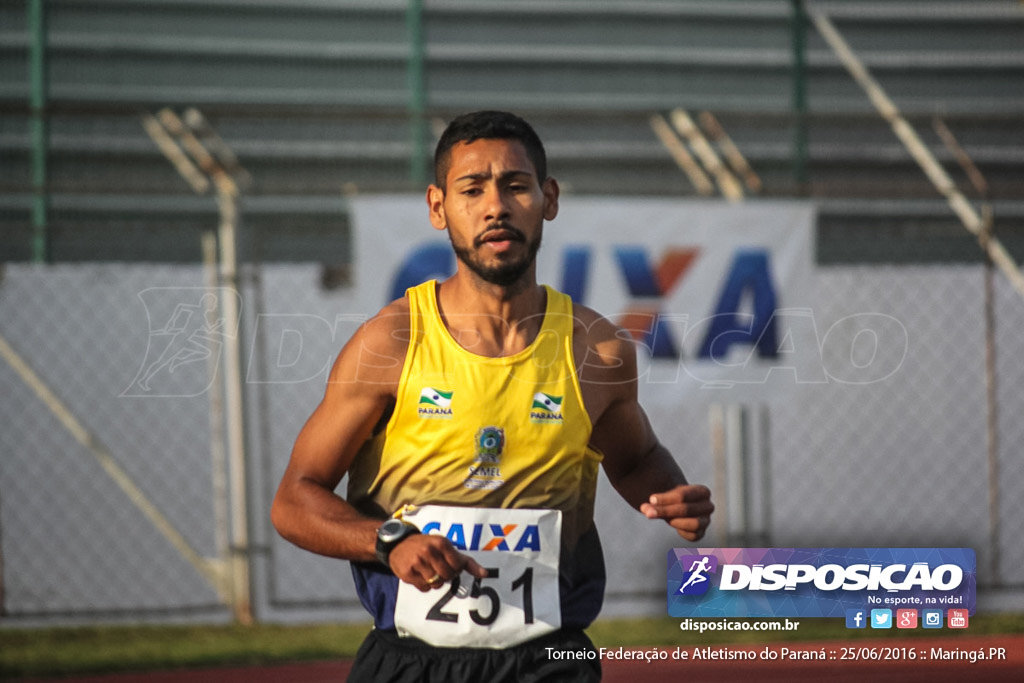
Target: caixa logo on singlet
498 537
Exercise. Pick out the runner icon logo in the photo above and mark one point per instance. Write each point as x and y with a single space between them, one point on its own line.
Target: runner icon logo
696 580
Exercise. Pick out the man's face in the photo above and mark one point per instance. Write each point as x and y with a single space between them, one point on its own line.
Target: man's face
494 208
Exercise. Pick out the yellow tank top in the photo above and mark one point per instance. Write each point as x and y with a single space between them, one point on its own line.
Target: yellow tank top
471 430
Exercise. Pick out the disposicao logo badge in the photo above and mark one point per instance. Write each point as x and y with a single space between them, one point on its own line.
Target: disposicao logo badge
819 582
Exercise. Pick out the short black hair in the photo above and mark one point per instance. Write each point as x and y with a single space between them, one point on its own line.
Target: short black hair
488 125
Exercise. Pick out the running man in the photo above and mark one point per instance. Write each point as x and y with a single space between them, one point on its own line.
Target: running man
480 396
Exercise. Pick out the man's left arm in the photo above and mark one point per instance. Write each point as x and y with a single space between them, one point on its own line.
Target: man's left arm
645 474
642 470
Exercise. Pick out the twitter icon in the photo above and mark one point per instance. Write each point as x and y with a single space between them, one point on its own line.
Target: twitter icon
881 618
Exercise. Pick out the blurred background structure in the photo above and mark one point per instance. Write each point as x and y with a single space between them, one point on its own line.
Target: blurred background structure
120 504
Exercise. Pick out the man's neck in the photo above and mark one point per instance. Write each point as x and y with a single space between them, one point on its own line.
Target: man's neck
491 320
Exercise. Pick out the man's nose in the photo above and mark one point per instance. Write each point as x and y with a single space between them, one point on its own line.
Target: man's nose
496 205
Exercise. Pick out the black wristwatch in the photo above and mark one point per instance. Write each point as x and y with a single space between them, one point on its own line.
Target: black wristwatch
390 534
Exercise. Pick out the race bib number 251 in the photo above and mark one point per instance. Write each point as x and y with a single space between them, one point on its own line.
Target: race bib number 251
517 601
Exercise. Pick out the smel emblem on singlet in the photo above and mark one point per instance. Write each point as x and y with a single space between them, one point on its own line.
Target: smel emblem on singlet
435 403
485 472
546 409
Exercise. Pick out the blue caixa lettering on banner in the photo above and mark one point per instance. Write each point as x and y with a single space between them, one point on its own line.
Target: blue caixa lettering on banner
817 582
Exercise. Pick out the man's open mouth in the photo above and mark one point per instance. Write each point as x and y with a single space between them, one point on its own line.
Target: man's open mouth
502 234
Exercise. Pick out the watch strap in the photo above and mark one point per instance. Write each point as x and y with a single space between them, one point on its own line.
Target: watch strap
385 546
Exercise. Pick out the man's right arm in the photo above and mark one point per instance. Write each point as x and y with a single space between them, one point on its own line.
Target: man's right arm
363 381
306 511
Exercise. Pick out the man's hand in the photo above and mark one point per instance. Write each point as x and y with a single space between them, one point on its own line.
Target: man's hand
427 561
687 509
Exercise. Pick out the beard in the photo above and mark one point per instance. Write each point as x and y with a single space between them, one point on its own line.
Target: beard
506 272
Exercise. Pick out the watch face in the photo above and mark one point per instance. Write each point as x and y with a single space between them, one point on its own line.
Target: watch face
391 529
391 534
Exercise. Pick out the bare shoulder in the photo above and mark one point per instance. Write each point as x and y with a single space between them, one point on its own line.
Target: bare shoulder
606 346
376 352
362 384
390 328
606 363
605 356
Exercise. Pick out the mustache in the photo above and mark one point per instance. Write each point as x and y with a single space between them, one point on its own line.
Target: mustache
500 230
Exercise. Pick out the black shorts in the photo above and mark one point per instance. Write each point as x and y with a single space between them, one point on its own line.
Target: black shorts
563 656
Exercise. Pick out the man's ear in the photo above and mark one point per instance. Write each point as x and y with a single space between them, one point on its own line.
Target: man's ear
550 189
435 205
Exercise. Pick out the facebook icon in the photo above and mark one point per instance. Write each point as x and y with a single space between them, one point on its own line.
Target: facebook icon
855 618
